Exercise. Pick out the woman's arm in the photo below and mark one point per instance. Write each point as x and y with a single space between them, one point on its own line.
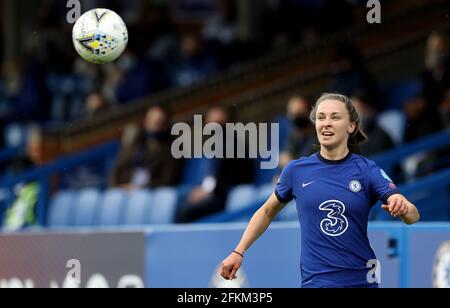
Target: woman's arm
256 227
399 206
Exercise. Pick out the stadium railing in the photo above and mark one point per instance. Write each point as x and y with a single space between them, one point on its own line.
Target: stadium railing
390 159
9 153
43 174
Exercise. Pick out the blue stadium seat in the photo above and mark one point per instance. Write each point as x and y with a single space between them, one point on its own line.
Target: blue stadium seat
393 122
112 208
265 191
432 202
241 197
86 208
15 135
264 176
289 213
61 209
194 171
400 92
138 208
164 206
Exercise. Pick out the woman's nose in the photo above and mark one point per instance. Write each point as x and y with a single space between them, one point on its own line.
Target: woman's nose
327 122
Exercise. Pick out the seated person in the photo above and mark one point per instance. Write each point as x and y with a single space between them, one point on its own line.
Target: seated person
302 138
379 140
145 160
223 174
22 212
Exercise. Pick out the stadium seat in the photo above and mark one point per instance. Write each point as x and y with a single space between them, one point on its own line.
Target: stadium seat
86 208
163 206
265 191
138 208
61 209
112 208
194 171
241 197
263 176
401 92
431 201
15 135
393 122
289 213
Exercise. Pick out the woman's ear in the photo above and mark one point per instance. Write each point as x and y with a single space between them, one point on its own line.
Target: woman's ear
352 128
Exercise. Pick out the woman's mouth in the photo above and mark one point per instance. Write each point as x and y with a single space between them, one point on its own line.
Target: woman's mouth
327 134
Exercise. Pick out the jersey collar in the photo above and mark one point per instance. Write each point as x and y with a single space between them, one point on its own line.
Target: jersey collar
333 162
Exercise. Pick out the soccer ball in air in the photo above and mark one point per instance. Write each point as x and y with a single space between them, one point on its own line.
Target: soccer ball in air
100 36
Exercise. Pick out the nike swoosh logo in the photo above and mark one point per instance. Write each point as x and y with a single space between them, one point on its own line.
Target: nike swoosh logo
307 184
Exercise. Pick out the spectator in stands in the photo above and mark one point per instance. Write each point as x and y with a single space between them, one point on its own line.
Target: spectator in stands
95 105
195 62
379 140
210 197
351 73
145 160
23 90
135 77
22 212
436 77
423 111
33 155
420 119
301 139
439 159
222 26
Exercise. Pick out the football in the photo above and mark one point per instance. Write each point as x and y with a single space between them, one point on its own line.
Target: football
100 36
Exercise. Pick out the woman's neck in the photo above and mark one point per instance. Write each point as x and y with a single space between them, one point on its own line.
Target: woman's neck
335 153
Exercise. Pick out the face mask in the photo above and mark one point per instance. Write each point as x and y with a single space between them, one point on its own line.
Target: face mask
159 136
301 122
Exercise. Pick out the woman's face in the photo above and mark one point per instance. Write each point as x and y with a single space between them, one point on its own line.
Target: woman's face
333 124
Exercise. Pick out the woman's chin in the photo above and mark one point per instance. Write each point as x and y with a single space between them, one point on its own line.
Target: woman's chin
329 145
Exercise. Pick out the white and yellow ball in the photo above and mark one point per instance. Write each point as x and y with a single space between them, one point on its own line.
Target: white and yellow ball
100 36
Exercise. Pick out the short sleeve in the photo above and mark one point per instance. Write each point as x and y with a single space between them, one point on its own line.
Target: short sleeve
283 190
381 185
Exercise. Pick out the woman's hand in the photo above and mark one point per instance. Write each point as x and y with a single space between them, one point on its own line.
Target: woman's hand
230 266
397 206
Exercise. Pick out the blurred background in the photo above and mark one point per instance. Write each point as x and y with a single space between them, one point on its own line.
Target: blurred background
88 147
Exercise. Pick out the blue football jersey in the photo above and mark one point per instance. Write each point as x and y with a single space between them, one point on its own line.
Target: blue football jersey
333 201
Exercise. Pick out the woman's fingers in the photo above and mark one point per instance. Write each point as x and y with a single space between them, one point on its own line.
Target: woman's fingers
225 272
233 273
